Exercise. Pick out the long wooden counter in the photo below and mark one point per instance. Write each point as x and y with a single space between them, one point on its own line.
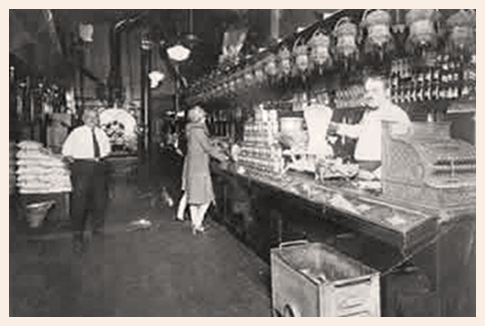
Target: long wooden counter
399 226
427 262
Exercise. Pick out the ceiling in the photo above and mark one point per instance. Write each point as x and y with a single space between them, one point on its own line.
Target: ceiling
95 15
171 24
207 24
165 24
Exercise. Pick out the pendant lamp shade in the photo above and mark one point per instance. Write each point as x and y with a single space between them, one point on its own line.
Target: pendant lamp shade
178 53
155 78
86 32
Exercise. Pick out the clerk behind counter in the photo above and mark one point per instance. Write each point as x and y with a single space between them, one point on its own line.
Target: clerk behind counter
368 131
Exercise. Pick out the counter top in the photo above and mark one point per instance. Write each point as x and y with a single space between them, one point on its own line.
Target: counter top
372 214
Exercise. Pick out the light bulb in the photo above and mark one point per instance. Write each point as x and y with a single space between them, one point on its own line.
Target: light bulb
178 53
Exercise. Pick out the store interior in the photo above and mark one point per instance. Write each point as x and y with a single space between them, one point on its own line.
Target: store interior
291 232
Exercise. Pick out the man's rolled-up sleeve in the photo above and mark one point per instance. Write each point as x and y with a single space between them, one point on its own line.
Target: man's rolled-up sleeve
352 131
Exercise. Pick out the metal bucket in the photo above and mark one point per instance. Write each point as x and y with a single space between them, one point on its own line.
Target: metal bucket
37 212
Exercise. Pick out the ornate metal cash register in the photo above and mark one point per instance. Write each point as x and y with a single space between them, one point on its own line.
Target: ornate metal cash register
427 168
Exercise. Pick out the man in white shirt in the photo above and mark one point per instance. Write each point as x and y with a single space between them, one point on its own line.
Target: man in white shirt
85 148
368 130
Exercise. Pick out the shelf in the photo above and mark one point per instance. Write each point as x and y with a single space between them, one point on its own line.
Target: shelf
350 108
462 106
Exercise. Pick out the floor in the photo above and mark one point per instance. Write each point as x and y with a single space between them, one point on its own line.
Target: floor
160 271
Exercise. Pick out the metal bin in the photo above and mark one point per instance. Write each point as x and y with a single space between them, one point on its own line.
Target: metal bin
315 280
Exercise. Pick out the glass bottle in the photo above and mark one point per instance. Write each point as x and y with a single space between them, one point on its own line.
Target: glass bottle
444 89
413 95
427 93
419 94
451 72
435 91
449 93
436 74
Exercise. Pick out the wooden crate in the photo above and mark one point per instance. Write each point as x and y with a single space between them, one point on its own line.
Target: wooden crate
315 280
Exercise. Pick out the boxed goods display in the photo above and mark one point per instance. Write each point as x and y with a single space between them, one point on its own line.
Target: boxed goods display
260 155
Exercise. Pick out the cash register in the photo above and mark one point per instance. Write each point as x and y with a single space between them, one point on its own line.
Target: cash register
427 168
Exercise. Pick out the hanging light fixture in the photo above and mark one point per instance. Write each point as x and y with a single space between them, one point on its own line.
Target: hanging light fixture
146 42
423 30
178 52
461 38
300 54
155 78
86 32
191 38
284 57
270 67
259 71
376 26
320 49
345 33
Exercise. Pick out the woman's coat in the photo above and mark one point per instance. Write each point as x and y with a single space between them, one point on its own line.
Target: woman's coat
196 178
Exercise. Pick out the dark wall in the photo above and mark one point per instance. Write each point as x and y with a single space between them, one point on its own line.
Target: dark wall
33 39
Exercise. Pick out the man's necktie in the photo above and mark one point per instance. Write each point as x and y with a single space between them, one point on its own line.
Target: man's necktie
97 153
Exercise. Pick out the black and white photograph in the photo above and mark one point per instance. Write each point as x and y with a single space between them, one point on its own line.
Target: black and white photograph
171 162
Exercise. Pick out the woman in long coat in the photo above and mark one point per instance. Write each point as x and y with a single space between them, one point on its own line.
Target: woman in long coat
196 178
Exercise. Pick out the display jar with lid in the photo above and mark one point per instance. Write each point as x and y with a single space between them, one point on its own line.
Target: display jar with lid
319 45
284 62
376 24
301 58
345 34
461 33
423 31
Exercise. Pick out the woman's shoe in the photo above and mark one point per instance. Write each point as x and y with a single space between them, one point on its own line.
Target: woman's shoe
197 229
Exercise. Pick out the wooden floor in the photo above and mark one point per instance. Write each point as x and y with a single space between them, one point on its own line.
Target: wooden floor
161 271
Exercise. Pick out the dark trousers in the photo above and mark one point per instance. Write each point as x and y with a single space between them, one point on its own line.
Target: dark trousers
89 195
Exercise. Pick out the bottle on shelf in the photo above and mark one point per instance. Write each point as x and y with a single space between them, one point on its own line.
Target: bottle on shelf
427 93
428 76
456 73
465 91
451 71
419 97
444 78
436 73
413 95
